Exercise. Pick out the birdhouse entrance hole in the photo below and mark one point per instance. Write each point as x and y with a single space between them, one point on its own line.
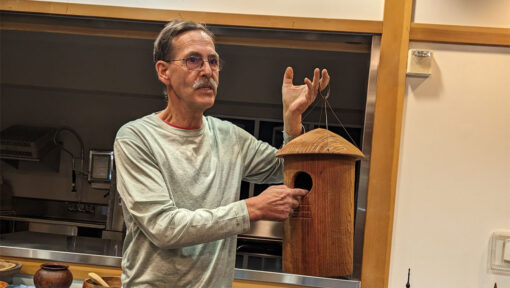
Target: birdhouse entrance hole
303 180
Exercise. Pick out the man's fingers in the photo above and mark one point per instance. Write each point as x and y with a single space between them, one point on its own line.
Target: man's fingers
296 192
324 79
288 76
316 79
309 83
319 77
325 74
281 186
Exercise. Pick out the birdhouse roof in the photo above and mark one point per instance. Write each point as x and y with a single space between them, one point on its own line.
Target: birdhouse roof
320 141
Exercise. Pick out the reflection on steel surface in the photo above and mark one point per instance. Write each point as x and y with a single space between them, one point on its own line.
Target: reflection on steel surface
265 229
244 274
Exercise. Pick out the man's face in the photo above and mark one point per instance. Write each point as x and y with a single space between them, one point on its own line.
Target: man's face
192 89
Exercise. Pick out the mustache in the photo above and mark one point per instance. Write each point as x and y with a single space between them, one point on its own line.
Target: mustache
206 82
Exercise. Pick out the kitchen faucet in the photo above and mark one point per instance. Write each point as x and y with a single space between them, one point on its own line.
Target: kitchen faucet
82 153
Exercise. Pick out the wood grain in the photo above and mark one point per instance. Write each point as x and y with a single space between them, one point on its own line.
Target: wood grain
322 45
318 237
386 144
320 141
460 34
67 26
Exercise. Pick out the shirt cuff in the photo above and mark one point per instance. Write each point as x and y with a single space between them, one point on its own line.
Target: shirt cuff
243 217
287 138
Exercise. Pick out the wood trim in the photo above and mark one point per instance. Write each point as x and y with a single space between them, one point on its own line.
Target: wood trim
145 14
460 34
295 44
11 22
419 31
14 22
386 144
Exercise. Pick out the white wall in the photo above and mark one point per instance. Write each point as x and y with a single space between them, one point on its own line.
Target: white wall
489 13
336 9
453 185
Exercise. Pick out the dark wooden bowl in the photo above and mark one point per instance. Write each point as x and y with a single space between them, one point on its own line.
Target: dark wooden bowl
7 274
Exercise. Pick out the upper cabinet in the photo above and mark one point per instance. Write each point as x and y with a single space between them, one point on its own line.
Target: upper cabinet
120 65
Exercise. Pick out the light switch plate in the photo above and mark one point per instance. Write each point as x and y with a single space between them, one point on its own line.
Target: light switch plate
506 251
499 252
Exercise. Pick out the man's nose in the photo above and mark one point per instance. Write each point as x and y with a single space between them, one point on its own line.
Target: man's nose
206 68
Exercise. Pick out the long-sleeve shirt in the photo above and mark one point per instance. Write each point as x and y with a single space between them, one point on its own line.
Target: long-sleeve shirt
180 199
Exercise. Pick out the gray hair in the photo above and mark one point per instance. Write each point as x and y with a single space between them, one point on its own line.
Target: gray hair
163 44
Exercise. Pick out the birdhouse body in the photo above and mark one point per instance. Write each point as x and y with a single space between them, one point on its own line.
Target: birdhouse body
318 236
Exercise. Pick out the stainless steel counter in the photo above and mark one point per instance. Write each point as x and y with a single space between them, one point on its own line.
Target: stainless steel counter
83 250
285 278
87 252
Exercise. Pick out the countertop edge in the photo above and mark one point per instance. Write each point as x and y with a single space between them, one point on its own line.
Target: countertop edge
115 262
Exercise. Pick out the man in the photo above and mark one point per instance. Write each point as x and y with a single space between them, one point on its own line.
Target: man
179 173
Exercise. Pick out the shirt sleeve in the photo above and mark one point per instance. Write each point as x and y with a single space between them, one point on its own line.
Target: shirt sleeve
260 163
151 208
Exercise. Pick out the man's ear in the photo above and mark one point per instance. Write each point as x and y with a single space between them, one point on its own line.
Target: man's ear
163 73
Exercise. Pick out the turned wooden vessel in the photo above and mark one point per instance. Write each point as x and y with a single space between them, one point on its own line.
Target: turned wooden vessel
53 275
318 237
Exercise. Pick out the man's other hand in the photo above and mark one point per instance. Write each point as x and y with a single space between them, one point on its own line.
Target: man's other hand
275 203
297 98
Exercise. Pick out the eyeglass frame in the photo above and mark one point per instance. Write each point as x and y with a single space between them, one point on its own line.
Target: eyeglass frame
217 57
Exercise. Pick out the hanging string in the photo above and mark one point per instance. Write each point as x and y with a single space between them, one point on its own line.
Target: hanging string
310 111
325 102
326 112
341 124
325 99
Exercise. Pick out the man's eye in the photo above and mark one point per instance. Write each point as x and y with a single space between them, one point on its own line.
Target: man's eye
193 59
213 61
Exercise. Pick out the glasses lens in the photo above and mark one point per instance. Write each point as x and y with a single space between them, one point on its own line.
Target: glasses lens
194 63
214 62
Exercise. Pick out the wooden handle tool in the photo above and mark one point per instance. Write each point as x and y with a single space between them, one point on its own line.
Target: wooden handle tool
98 279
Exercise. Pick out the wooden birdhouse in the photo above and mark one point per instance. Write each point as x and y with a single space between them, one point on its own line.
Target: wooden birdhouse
318 236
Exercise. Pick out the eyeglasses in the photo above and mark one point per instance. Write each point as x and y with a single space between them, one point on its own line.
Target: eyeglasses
194 63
